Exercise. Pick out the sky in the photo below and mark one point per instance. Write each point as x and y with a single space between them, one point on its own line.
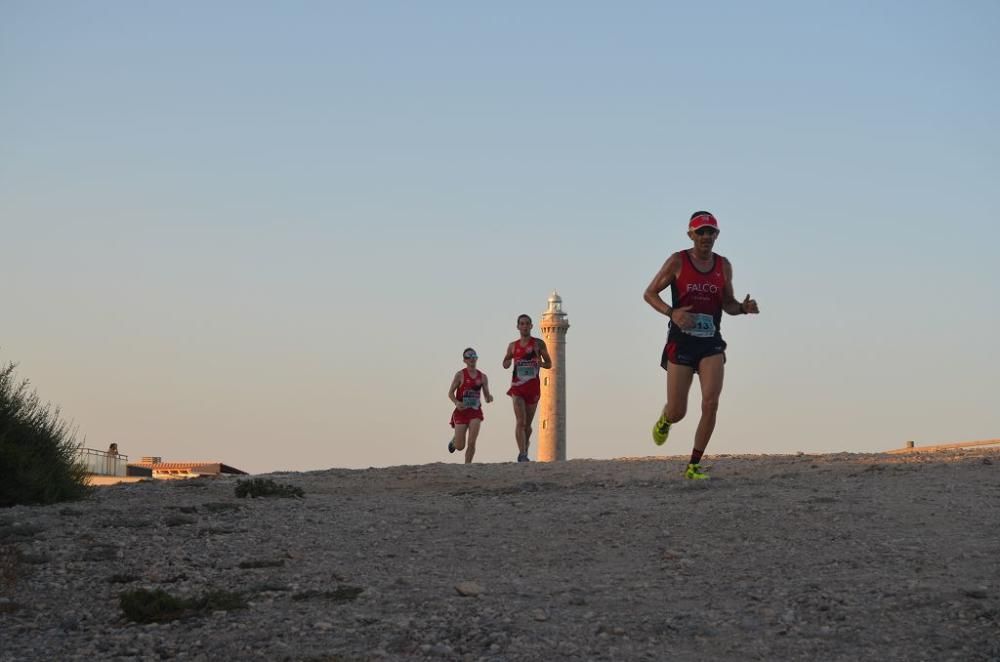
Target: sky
262 233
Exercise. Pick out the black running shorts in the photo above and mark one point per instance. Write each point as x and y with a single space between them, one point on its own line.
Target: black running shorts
688 351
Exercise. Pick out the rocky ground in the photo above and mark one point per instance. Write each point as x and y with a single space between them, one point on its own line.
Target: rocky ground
829 557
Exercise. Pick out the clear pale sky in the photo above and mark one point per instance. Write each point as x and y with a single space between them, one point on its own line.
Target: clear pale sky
262 233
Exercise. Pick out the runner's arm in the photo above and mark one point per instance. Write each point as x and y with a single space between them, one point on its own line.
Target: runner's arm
509 356
730 303
543 354
661 281
486 387
456 380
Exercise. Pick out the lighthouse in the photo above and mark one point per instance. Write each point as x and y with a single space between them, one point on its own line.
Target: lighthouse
552 406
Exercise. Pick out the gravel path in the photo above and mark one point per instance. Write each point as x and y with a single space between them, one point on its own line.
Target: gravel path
811 557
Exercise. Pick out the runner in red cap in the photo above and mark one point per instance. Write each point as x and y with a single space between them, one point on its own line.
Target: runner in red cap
464 392
701 288
527 354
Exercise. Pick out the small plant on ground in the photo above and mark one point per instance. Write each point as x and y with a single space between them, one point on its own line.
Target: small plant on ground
339 594
123 578
178 520
218 601
265 487
10 560
19 531
262 563
38 451
145 606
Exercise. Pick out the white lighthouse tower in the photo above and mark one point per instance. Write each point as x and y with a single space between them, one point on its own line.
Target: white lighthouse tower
552 406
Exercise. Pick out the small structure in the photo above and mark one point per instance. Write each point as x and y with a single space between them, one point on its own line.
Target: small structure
173 470
911 447
552 406
110 467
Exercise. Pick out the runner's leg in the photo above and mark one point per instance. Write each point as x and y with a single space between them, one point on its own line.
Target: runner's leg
711 370
460 436
473 433
519 423
529 417
679 379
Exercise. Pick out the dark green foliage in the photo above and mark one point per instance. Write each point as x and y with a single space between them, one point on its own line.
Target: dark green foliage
19 531
345 593
126 523
38 461
36 559
339 594
123 578
218 601
265 487
220 506
178 520
145 606
10 562
262 563
268 587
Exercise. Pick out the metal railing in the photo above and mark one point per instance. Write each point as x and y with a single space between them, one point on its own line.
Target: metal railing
102 463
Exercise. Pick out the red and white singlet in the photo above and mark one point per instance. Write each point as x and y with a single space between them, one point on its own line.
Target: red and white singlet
524 382
469 392
470 389
526 363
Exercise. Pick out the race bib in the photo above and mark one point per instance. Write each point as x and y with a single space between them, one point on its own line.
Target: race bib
527 370
704 326
471 400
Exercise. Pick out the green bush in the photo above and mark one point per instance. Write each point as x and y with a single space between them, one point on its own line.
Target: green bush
38 452
265 487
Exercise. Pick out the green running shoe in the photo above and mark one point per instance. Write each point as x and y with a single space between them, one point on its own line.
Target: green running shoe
660 431
694 472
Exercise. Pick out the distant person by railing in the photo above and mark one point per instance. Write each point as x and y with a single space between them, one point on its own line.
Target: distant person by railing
103 463
111 462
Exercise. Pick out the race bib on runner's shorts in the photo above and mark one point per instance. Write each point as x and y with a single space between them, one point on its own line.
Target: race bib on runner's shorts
470 400
704 326
527 370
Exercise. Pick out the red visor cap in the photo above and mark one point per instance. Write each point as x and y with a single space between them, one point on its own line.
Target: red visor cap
703 220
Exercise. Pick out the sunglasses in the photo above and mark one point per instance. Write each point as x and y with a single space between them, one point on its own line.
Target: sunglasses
701 232
470 356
